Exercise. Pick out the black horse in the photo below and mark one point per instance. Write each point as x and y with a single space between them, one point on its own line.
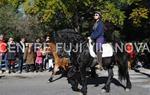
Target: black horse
83 60
80 61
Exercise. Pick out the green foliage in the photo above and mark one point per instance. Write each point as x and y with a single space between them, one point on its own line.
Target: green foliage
111 13
138 14
8 20
14 25
129 2
48 15
2 2
47 9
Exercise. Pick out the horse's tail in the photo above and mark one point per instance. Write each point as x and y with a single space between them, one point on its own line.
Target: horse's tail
123 67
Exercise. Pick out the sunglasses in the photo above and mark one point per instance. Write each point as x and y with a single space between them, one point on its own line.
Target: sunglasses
96 15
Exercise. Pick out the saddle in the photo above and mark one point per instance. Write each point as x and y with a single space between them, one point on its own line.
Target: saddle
107 49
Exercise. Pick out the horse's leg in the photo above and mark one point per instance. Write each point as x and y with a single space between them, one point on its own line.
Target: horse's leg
93 72
53 73
128 82
83 80
123 71
94 75
74 83
72 77
106 88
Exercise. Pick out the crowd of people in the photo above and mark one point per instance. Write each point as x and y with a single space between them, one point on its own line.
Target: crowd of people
21 56
16 57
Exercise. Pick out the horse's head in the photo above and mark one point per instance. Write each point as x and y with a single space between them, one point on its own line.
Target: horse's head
50 48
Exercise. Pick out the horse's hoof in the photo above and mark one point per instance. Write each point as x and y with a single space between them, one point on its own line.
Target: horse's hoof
127 89
50 80
103 91
76 89
83 92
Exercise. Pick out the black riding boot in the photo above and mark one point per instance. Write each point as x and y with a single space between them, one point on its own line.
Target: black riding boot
99 60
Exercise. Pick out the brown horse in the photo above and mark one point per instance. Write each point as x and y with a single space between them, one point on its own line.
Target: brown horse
59 62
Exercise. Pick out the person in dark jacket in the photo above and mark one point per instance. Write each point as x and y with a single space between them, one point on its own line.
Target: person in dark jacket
20 51
98 36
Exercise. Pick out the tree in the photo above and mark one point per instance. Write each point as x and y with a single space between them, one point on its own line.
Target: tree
139 14
137 23
15 25
77 14
75 11
8 20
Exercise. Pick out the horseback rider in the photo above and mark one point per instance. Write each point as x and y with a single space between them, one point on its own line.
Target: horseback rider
98 36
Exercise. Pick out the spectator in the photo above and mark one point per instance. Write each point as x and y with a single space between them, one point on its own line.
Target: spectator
3 49
39 59
21 50
46 56
29 58
37 44
11 55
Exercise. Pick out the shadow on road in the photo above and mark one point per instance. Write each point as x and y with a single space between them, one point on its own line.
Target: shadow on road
63 74
102 80
138 71
58 78
145 74
1 76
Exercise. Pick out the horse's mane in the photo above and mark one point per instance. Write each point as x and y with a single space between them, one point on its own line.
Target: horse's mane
69 35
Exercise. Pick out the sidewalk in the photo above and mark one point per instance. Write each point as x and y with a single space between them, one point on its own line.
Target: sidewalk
29 74
46 73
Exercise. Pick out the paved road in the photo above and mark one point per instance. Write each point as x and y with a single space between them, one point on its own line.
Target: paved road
36 84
